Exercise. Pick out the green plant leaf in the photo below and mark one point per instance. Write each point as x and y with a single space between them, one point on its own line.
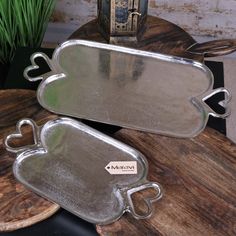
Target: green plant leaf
22 23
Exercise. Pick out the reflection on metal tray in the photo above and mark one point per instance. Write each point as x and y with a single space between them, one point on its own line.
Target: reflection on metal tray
128 88
86 172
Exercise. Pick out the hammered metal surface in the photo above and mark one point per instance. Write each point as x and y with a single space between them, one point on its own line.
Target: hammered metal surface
128 88
68 165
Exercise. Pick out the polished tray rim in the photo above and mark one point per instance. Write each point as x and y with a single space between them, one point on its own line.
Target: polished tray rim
125 191
198 101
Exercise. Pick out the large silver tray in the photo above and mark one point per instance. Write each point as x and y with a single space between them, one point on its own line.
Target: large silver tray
126 87
86 172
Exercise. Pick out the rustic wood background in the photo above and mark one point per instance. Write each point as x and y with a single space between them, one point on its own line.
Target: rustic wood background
19 207
215 18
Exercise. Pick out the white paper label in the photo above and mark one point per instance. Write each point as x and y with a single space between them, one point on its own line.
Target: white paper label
122 167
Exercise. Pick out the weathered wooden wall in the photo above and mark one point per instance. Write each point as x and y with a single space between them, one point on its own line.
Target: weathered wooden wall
214 18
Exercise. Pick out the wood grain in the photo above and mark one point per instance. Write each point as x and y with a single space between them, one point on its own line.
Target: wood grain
164 37
199 180
159 36
11 104
18 206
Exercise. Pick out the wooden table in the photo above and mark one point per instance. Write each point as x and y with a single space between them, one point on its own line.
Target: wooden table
19 207
197 175
164 37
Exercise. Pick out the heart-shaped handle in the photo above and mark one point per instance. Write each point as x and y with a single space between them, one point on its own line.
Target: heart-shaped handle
35 66
223 103
18 134
148 201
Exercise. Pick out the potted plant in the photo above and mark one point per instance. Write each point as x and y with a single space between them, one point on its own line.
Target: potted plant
22 24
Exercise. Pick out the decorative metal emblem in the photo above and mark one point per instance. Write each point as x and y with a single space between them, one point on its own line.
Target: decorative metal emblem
122 19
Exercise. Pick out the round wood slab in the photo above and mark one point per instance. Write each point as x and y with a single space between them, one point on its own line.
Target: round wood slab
164 37
18 206
160 36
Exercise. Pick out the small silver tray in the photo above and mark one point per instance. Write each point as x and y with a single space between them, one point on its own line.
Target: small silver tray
128 88
84 171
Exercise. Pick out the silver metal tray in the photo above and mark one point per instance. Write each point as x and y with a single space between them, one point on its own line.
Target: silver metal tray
84 171
127 87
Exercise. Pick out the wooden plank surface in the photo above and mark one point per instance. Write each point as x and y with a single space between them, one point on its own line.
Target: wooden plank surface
18 206
198 177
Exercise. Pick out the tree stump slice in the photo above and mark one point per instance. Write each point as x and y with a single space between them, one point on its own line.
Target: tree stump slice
159 36
19 207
